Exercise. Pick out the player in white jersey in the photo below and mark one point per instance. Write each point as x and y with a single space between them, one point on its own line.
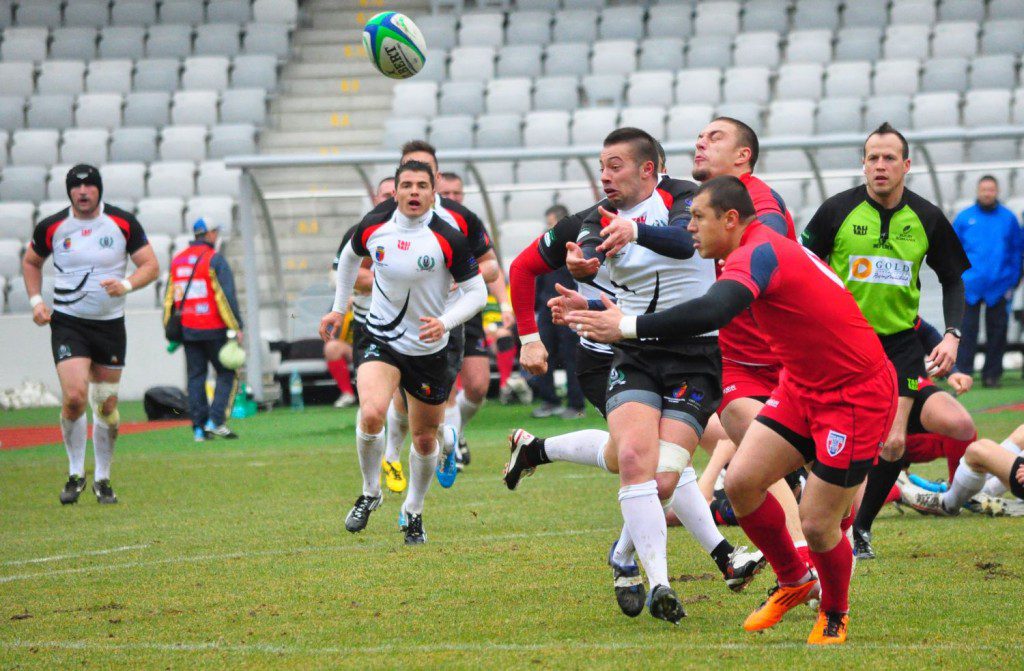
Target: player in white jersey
90 242
416 257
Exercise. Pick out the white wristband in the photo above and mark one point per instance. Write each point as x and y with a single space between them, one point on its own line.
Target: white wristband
529 338
504 307
628 326
127 285
35 300
636 231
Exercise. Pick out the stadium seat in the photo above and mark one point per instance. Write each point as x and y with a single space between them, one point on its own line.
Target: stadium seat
276 11
625 22
892 108
936 110
909 41
567 58
1002 36
55 188
16 221
161 215
765 15
944 74
218 209
994 71
590 125
235 11
986 107
123 181
613 57
710 51
982 151
50 110
747 112
39 13
496 172
508 95
791 191
839 115
90 13
484 29
653 87
758 48
244 106
471 64
1005 9
816 15
546 129
544 171
171 179
17 78
452 132
123 42
748 84
895 77
526 203
183 143
84 145
791 117
156 74
110 76
865 13
519 60
194 107
859 43
12 112
799 80
414 99
912 12
66 77
528 27
648 118
556 93
147 108
232 139
718 17
955 38
436 67
133 13
809 46
205 73
462 97
1018 106
10 248
136 144
215 179
73 42
518 234
217 39
603 89
267 38
440 28
169 40
499 130
961 10
23 43
670 20
661 53
700 85
25 182
4 137
254 71
182 11
686 121
397 131
6 13
576 25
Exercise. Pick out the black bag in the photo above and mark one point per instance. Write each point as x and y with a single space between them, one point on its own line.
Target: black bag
165 403
173 330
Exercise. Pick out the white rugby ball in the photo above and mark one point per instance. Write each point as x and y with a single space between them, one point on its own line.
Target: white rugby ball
395 45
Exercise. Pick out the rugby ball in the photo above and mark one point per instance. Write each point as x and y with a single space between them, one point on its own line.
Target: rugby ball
395 45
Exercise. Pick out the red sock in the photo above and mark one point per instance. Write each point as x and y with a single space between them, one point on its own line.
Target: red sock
847 521
506 362
834 570
766 528
805 555
955 450
894 495
339 371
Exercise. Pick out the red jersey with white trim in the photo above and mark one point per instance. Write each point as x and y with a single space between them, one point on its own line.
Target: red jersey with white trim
740 340
86 252
808 317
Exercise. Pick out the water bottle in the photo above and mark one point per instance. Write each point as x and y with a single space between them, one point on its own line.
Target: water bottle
295 390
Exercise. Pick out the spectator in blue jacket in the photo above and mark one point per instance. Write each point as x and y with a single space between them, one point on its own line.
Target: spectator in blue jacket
994 241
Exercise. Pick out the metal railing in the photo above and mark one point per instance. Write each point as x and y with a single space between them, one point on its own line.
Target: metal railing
252 197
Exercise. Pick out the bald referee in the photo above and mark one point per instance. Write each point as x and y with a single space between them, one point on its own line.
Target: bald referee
91 243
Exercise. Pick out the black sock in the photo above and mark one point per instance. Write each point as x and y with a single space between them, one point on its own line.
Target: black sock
721 555
880 481
535 453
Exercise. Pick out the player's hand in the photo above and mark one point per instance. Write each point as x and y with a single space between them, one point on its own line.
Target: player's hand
113 287
330 325
41 314
598 326
942 358
533 357
580 267
565 302
960 382
617 233
431 330
895 444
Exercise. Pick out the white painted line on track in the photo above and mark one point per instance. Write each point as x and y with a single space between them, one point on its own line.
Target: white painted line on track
77 555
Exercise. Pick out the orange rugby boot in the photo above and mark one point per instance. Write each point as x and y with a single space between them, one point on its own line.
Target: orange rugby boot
780 600
830 629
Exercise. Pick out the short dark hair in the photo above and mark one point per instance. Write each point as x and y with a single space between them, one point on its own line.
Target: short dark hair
728 193
420 145
450 176
747 137
662 159
888 129
557 211
381 182
645 147
414 166
988 178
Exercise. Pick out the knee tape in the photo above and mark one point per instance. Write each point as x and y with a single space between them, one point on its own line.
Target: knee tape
99 392
672 458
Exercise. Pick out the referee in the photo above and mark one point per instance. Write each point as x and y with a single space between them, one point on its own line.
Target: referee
91 243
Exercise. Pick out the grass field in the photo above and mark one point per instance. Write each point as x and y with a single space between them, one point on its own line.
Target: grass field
234 555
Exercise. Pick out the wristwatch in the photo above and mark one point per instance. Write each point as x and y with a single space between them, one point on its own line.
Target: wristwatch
953 331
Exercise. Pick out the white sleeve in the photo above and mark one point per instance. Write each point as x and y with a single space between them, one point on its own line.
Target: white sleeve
348 270
472 301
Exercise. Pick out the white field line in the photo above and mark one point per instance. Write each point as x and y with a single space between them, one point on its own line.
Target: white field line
192 559
87 553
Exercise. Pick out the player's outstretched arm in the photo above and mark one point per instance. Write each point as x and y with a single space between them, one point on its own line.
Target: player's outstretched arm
32 272
673 240
522 275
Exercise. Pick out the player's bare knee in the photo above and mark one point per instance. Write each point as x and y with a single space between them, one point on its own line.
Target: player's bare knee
371 419
333 351
424 441
477 392
666 485
74 404
818 531
1017 437
632 459
977 453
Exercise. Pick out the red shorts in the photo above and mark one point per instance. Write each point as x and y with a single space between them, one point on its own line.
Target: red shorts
923 448
841 429
744 381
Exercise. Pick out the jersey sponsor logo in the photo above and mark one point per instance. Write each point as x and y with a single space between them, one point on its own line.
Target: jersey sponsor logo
86 232
913 384
404 245
63 352
729 389
378 254
549 238
680 391
426 263
615 378
906 234
183 271
835 442
425 389
860 229
66 243
881 270
106 242
371 351
772 403
201 308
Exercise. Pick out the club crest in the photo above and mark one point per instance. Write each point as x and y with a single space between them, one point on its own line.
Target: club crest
835 443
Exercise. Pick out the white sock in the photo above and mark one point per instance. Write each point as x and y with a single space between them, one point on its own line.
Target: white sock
370 447
103 437
645 519
74 431
397 430
624 554
966 483
421 472
692 509
993 485
579 447
467 409
453 417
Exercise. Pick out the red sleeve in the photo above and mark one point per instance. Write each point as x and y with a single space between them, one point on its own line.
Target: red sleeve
522 277
738 269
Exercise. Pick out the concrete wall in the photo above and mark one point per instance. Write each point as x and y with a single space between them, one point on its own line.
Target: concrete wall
25 354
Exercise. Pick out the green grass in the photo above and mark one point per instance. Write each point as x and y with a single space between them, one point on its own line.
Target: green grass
234 555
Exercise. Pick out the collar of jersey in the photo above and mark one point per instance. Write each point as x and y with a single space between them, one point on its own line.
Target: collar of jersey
638 208
885 210
405 222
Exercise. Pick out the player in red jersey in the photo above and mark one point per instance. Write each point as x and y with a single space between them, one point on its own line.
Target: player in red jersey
834 404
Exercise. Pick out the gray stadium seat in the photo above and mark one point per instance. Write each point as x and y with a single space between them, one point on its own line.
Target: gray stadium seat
908 41
895 77
575 25
39 13
169 40
528 27
89 13
1005 9
183 143
123 42
508 95
1002 36
276 11
839 115
236 11
24 43
799 80
267 38
84 145
590 125
961 10
162 250
944 74
483 29
955 38
809 46
912 12
232 140
244 106
171 179
661 53
123 181
499 130
6 13
217 39
542 171
156 74
986 107
709 51
670 20
648 118
17 78
791 117
466 97
441 30
4 136
205 73
866 13
51 110
613 57
625 22
73 42
12 113
194 107
699 85
756 48
936 110
749 84
859 43
1018 106
993 71
546 129
98 110
254 71
217 180
471 64
519 60
765 15
810 15
161 215
892 108
218 209
652 87
436 67
719 17
16 222
748 113
10 247
686 121
26 182
526 203
135 144
399 131
182 11
556 93
147 108
109 76
567 58
452 132
849 78
61 77
55 189
133 13
603 89
791 191
414 99
982 151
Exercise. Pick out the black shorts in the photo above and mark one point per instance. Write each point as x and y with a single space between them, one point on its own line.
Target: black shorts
358 342
906 353
683 381
475 340
456 348
592 372
101 340
427 378
1015 486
